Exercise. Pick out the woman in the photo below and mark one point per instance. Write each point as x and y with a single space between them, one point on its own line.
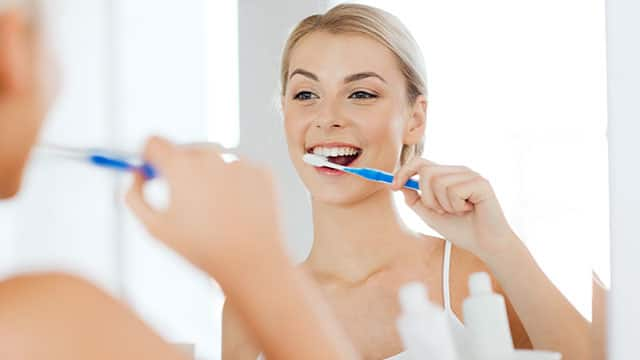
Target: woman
56 316
353 89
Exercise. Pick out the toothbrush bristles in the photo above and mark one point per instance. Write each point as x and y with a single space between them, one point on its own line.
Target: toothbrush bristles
320 161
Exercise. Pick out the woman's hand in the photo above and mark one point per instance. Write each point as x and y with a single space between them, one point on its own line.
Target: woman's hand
459 204
219 213
222 217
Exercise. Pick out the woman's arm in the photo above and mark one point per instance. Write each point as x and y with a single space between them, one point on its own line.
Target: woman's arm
275 304
237 343
223 218
462 206
552 323
466 264
599 324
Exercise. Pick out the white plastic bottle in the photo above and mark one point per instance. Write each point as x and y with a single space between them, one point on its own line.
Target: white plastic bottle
423 326
486 321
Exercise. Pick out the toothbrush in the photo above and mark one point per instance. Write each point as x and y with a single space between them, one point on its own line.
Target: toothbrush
103 158
369 174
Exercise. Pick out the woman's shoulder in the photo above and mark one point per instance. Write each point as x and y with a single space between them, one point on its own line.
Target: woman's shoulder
463 264
466 263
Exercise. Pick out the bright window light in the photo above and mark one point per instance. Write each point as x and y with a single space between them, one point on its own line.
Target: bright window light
517 92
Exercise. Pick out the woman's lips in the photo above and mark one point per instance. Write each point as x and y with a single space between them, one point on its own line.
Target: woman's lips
329 171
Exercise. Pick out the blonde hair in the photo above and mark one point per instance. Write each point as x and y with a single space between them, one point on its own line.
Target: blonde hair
378 25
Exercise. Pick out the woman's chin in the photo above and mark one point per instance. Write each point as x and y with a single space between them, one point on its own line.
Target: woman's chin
341 197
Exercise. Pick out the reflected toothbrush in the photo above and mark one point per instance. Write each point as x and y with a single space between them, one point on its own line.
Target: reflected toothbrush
120 161
369 174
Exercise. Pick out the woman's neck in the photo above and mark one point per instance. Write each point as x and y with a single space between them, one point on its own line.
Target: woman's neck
353 242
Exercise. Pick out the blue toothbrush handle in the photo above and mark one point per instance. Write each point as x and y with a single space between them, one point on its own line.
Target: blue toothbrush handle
146 169
412 184
381 176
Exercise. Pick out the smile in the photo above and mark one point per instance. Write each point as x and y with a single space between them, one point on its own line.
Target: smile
341 154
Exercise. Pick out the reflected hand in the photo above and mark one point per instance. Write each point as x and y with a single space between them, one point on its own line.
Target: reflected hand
219 213
459 204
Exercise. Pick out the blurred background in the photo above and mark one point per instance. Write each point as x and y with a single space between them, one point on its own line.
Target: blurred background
517 91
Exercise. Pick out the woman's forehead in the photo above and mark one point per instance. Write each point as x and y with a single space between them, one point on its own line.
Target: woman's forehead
337 55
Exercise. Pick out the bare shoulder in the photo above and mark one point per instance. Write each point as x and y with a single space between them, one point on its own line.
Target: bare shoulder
59 316
26 290
237 342
463 264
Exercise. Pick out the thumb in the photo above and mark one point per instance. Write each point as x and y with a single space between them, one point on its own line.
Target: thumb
411 197
160 153
141 209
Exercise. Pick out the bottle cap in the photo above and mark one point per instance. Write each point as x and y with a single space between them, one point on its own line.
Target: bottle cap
412 295
480 284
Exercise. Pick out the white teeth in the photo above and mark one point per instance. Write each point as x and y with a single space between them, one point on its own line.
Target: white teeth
334 151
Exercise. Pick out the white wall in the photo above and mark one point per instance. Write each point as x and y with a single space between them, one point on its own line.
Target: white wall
517 93
624 126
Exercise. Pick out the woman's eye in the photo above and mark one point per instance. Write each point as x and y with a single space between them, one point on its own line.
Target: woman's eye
362 95
305 95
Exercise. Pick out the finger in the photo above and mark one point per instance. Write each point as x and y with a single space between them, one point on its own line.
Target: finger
426 169
407 171
427 196
209 153
413 200
205 145
441 186
136 202
161 154
411 197
472 192
431 197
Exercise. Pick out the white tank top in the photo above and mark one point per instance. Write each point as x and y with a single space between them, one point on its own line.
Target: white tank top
456 325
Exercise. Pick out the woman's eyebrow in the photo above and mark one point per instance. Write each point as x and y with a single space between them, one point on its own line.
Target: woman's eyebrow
363 75
305 73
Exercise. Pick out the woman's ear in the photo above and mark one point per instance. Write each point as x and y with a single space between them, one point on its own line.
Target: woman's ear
14 52
417 123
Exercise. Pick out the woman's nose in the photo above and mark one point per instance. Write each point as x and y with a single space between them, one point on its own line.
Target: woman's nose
329 123
330 118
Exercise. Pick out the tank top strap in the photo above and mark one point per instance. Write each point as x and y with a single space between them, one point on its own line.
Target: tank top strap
446 268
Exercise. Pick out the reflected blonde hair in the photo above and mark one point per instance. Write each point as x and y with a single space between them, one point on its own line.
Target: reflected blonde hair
382 27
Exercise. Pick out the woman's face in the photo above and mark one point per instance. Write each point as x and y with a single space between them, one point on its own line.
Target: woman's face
27 87
346 98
